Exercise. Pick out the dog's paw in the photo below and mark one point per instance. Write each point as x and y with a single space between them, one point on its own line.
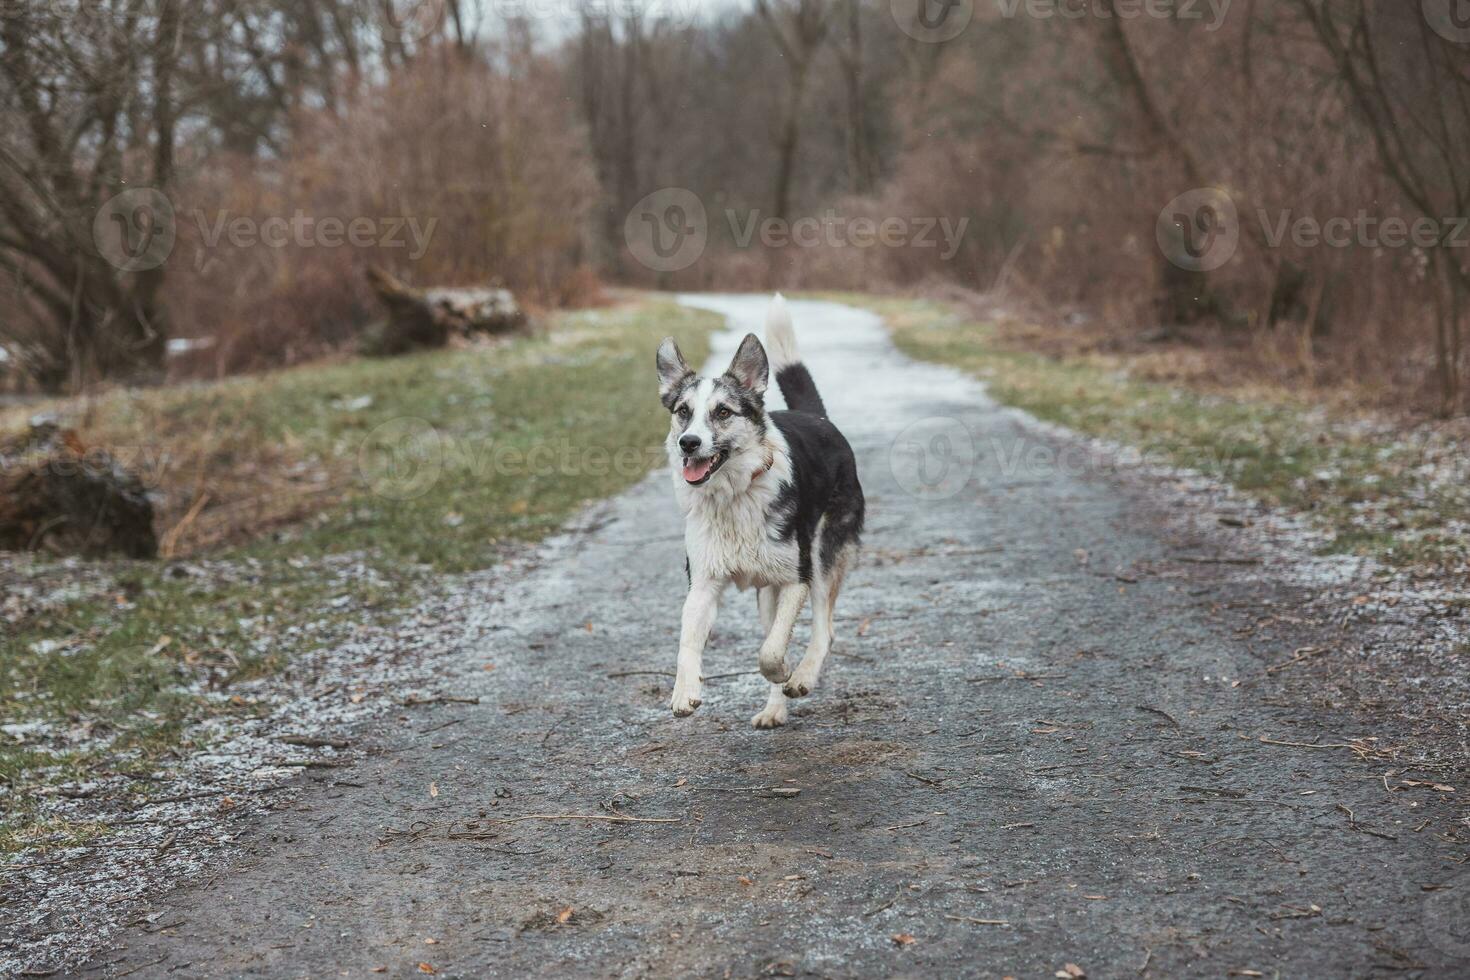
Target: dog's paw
686 698
771 716
799 684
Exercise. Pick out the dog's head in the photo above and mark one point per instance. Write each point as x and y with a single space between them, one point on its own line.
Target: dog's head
715 422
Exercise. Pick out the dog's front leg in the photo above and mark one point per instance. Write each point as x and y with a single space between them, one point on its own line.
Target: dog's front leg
773 650
700 608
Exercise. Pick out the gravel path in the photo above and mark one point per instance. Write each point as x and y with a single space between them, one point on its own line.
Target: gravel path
1048 736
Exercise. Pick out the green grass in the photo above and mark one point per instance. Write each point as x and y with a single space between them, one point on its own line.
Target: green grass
1362 484
522 435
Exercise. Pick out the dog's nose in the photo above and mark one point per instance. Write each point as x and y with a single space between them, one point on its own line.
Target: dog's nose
689 443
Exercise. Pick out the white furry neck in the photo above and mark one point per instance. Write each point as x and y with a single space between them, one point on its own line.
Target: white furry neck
752 476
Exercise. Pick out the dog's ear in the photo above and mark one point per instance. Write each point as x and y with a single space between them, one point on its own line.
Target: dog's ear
672 370
750 366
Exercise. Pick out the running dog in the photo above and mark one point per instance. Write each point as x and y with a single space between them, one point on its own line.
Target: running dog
771 501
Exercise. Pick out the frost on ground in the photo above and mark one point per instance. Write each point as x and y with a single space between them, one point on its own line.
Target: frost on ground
60 903
1400 648
1405 631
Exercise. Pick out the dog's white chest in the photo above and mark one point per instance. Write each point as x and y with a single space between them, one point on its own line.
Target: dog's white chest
732 541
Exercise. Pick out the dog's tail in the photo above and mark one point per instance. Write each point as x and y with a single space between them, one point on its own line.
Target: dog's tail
796 383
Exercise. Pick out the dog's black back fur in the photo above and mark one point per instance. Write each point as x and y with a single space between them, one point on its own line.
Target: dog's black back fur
825 481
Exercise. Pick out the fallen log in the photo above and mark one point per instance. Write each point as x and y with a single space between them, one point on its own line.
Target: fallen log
60 496
427 318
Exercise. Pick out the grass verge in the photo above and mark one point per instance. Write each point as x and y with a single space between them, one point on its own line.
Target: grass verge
382 475
1388 491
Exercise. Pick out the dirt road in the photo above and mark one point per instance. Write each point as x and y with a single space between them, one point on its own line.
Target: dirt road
1046 738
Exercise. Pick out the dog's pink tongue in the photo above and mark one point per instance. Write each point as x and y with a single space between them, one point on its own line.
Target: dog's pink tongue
697 469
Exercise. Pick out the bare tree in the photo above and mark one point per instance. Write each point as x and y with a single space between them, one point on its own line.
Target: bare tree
859 147
1409 86
91 111
798 27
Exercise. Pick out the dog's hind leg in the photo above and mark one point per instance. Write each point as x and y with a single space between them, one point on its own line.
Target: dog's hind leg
804 678
773 715
835 576
773 651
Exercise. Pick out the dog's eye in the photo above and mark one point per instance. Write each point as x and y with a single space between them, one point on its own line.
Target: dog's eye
723 414
683 413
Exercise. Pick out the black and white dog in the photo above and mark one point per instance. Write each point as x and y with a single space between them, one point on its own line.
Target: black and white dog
771 501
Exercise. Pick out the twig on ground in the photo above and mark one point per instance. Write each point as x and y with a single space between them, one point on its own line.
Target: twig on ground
1354 825
1018 676
1302 653
1239 794
738 673
609 818
1161 713
1361 747
314 742
978 922
886 905
1228 799
1217 560
905 826
414 701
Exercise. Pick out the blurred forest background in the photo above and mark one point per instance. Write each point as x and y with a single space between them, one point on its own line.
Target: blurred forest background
527 132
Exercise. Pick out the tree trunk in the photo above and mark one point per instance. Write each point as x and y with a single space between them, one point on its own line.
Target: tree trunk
59 496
